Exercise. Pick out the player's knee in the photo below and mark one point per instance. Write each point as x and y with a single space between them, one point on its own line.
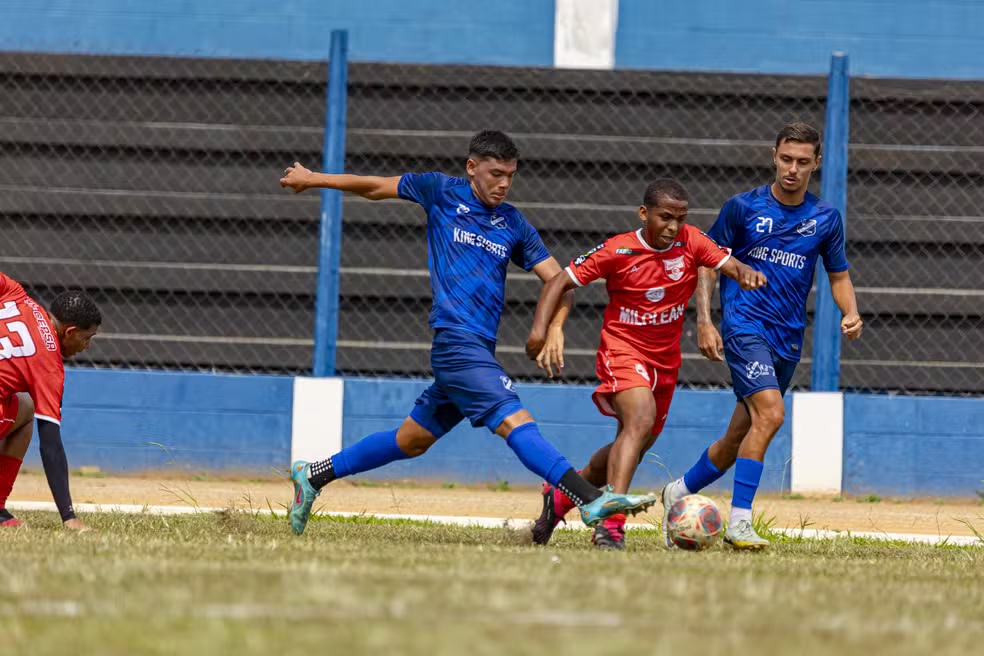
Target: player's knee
638 427
414 440
771 417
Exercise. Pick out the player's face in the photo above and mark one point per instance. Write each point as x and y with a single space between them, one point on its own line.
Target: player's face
74 340
663 221
491 178
795 163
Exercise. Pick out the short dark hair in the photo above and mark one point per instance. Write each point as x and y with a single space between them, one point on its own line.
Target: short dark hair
802 133
76 308
494 144
664 188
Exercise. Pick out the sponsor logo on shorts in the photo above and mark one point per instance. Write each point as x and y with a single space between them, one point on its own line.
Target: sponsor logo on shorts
674 268
655 294
756 369
507 383
642 372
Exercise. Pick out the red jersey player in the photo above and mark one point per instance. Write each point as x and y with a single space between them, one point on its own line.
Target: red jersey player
650 276
32 377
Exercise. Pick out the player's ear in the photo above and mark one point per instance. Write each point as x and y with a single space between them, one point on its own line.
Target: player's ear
471 167
819 162
643 213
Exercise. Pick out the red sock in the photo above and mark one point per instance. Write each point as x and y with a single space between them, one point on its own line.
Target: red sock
9 467
562 503
615 521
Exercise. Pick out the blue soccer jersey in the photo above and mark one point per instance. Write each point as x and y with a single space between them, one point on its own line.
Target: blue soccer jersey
782 242
469 247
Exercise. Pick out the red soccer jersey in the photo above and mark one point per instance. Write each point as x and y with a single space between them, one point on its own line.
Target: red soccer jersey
648 289
30 354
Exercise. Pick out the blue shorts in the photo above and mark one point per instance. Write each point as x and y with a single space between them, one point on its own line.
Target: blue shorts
468 382
755 366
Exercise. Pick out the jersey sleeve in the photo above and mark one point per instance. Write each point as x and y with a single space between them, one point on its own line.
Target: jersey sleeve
596 263
46 392
706 252
422 188
833 249
727 226
529 250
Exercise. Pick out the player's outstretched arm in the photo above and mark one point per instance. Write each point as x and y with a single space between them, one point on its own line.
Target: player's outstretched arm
554 290
708 338
551 353
55 464
842 289
747 277
373 187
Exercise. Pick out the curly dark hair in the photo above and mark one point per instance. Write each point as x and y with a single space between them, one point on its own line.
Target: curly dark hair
76 308
664 188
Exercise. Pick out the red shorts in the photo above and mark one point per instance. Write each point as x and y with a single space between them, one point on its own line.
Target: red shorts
8 414
625 368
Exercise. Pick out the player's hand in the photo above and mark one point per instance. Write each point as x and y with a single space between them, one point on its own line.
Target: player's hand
534 344
852 325
552 353
709 341
749 278
296 177
76 524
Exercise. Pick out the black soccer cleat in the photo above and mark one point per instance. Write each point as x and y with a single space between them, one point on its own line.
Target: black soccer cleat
609 539
548 520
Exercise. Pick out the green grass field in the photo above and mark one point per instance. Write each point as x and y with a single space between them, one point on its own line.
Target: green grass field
241 584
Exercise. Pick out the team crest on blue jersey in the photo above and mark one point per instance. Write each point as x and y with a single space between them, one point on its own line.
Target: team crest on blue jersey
507 383
674 268
807 228
583 258
498 221
755 369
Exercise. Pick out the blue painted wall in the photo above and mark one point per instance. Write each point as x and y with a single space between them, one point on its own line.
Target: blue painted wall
907 446
567 417
115 420
894 38
424 31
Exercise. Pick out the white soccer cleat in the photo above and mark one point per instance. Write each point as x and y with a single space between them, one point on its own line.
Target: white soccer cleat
743 536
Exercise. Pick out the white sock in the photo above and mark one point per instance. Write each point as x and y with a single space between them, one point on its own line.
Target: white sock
738 514
678 490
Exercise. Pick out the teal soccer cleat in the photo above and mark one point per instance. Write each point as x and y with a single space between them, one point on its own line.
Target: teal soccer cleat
610 503
304 496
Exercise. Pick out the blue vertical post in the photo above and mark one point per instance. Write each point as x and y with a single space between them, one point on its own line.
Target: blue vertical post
330 230
833 189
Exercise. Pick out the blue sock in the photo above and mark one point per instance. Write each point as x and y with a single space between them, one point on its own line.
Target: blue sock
371 452
539 455
748 473
702 474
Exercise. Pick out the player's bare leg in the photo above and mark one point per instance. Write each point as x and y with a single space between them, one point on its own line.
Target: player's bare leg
767 414
12 449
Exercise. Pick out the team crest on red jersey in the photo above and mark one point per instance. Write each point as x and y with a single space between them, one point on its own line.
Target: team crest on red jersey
674 268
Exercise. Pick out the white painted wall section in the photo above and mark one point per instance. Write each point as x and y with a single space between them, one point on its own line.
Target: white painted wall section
584 33
818 442
317 418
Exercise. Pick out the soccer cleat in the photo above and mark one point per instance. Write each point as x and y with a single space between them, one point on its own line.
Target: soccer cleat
664 496
548 520
610 534
610 503
743 536
7 520
304 496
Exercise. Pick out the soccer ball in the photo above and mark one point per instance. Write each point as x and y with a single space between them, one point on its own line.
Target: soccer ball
694 523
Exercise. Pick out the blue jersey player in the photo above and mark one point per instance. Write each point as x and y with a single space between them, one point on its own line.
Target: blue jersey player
472 235
779 229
